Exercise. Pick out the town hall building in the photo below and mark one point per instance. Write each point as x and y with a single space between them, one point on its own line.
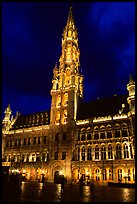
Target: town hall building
93 139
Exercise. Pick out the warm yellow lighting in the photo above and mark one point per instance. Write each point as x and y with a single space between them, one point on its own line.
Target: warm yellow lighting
60 172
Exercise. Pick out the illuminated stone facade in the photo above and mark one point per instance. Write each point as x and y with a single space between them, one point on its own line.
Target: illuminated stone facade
93 140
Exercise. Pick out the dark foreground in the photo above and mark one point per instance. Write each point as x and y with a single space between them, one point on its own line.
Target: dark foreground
36 192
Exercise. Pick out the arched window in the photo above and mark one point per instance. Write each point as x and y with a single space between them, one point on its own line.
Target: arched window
97 174
83 153
97 152
88 133
103 152
117 130
83 134
126 153
89 153
119 175
118 151
104 174
110 152
124 130
110 174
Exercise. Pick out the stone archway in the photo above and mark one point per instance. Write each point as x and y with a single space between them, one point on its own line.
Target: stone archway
57 171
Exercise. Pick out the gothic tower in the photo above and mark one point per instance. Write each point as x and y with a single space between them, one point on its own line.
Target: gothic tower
67 80
66 91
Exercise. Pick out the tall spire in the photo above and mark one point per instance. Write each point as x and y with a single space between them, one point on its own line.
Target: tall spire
70 28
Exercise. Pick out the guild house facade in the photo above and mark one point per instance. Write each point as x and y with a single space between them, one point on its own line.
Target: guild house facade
94 140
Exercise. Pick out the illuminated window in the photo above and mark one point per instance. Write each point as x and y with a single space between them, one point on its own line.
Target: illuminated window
104 174
110 174
33 157
126 153
110 151
96 152
103 152
97 174
119 174
118 151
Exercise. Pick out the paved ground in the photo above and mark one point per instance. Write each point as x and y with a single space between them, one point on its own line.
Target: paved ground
36 192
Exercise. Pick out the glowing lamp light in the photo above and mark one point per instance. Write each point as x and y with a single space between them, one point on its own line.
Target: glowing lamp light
42 171
60 172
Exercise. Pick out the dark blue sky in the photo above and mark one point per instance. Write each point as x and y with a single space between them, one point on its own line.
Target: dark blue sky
31 45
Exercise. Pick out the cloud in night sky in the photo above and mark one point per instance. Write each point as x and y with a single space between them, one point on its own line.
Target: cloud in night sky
31 45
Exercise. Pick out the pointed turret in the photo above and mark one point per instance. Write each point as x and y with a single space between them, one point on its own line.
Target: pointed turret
6 121
131 98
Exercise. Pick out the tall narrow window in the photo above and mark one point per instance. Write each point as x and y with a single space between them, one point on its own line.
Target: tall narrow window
97 174
38 140
104 174
110 174
96 152
119 174
118 151
126 153
103 152
110 151
89 153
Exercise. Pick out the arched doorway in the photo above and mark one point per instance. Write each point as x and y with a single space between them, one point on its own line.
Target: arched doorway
56 177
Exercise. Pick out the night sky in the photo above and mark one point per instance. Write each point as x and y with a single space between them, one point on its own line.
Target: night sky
31 45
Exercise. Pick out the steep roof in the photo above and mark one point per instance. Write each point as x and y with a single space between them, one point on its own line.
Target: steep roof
102 107
32 120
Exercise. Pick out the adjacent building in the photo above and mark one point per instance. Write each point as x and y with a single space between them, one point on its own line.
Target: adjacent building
94 140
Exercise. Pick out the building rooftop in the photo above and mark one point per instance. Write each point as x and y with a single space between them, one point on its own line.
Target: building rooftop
32 120
102 107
